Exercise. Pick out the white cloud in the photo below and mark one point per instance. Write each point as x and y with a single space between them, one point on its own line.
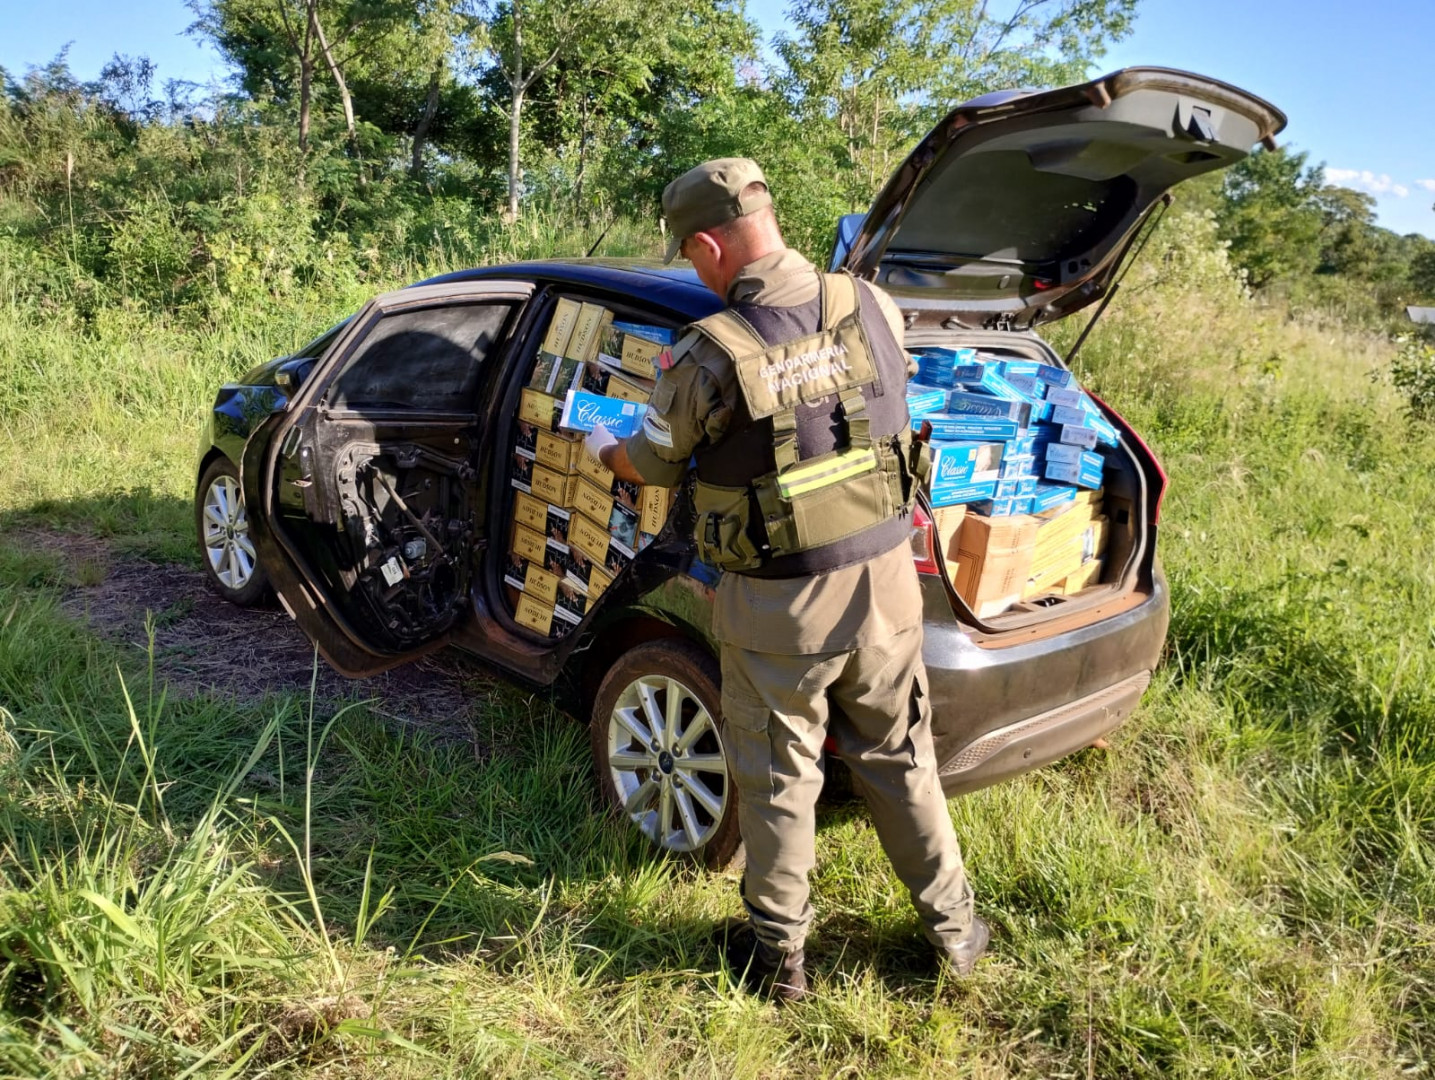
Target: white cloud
1365 180
1428 185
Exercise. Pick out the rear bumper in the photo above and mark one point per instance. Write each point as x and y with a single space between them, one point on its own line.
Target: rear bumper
1000 712
1039 740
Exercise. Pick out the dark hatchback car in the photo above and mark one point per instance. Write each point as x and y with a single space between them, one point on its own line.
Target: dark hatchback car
375 496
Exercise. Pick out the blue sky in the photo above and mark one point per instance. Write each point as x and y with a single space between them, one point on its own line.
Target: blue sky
1354 78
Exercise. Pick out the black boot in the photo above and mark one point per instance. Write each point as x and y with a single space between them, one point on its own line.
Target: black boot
761 968
961 957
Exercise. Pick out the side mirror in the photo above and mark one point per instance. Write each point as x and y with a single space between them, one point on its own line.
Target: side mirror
291 375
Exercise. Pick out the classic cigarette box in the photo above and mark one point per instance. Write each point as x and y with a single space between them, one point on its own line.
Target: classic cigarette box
952 494
925 399
1047 373
958 464
1084 437
583 412
1016 488
1084 473
1049 496
1014 466
1072 415
1065 453
963 403
967 428
985 378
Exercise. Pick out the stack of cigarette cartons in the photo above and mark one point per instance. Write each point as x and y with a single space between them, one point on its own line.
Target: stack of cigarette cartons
576 526
1010 439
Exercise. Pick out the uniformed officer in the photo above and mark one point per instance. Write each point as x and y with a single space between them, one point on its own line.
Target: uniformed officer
791 403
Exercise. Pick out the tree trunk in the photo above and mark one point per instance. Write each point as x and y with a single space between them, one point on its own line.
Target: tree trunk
306 79
421 130
515 110
335 71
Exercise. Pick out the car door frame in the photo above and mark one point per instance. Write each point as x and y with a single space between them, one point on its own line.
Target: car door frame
299 588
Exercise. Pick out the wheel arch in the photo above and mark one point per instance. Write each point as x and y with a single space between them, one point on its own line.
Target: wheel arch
627 631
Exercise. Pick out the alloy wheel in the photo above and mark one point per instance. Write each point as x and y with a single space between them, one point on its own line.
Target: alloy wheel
666 762
226 533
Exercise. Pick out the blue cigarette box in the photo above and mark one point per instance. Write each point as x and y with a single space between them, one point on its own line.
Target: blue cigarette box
1016 465
967 428
1065 453
1023 445
1070 415
1029 385
925 399
1050 496
960 401
1085 437
583 411
1052 376
994 507
1084 473
959 464
985 379
953 494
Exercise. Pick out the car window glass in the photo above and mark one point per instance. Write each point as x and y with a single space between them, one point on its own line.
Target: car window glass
426 359
320 344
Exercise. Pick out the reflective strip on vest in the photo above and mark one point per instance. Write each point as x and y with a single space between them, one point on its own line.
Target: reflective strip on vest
820 474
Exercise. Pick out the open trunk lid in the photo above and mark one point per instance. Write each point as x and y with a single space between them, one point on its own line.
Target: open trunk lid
1016 209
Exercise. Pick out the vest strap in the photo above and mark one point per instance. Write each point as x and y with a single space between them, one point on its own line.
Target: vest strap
839 299
784 438
855 418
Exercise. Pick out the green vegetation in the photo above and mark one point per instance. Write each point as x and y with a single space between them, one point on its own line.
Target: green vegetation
202 883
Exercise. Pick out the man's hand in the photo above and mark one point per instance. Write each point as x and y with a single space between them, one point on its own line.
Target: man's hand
598 440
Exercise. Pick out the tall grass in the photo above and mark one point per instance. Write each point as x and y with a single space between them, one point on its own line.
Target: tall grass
1240 887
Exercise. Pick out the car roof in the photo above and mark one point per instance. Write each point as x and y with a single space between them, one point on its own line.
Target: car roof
678 290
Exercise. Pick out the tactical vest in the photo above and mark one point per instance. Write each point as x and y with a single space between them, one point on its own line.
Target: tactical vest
818 468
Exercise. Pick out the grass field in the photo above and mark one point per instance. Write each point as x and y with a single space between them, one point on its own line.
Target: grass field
212 883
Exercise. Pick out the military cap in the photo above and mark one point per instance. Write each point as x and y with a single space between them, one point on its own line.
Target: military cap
708 196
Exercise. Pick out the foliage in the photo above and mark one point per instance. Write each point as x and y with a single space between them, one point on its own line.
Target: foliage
1412 372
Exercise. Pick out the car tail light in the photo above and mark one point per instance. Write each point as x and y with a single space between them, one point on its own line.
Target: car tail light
1130 433
924 544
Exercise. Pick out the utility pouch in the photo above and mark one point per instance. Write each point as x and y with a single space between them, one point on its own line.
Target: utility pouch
721 530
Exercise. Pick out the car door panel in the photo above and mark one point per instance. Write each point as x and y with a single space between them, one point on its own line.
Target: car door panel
368 488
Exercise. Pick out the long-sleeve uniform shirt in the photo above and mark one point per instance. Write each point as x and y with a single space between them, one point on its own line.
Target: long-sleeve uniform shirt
692 407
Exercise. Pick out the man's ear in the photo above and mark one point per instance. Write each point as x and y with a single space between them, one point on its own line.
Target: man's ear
709 243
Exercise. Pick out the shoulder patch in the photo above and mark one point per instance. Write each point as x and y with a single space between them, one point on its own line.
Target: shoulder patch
657 430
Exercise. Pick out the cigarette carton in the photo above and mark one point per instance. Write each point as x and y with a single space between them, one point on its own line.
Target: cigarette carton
644 539
1052 376
578 568
1030 385
592 501
556 452
1089 574
530 578
653 509
589 538
636 348
1022 505
539 408
1022 445
1084 473
994 508
623 525
520 470
1068 397
925 399
534 614
598 580
963 403
1015 466
985 378
1025 487
956 464
1065 453
619 556
628 495
592 469
556 521
549 486
628 388
583 412
572 602
531 513
1069 414
1084 437
967 428
952 494
1050 496
527 542
527 437
555 344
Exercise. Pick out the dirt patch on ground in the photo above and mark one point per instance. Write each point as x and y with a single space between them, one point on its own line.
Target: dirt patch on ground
203 644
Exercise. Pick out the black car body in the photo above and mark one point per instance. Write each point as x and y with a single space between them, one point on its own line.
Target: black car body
1015 210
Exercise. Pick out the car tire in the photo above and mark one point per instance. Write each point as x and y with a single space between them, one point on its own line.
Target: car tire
221 525
646 770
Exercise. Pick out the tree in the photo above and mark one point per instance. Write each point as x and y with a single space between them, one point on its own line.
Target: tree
1272 216
1348 242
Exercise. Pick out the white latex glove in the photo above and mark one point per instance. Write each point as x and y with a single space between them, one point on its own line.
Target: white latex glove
599 439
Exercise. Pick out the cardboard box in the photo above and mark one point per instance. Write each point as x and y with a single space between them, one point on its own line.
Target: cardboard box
968 428
540 409
550 486
592 501
527 542
998 536
534 614
990 582
947 521
555 344
556 452
1089 574
583 412
653 508
531 513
